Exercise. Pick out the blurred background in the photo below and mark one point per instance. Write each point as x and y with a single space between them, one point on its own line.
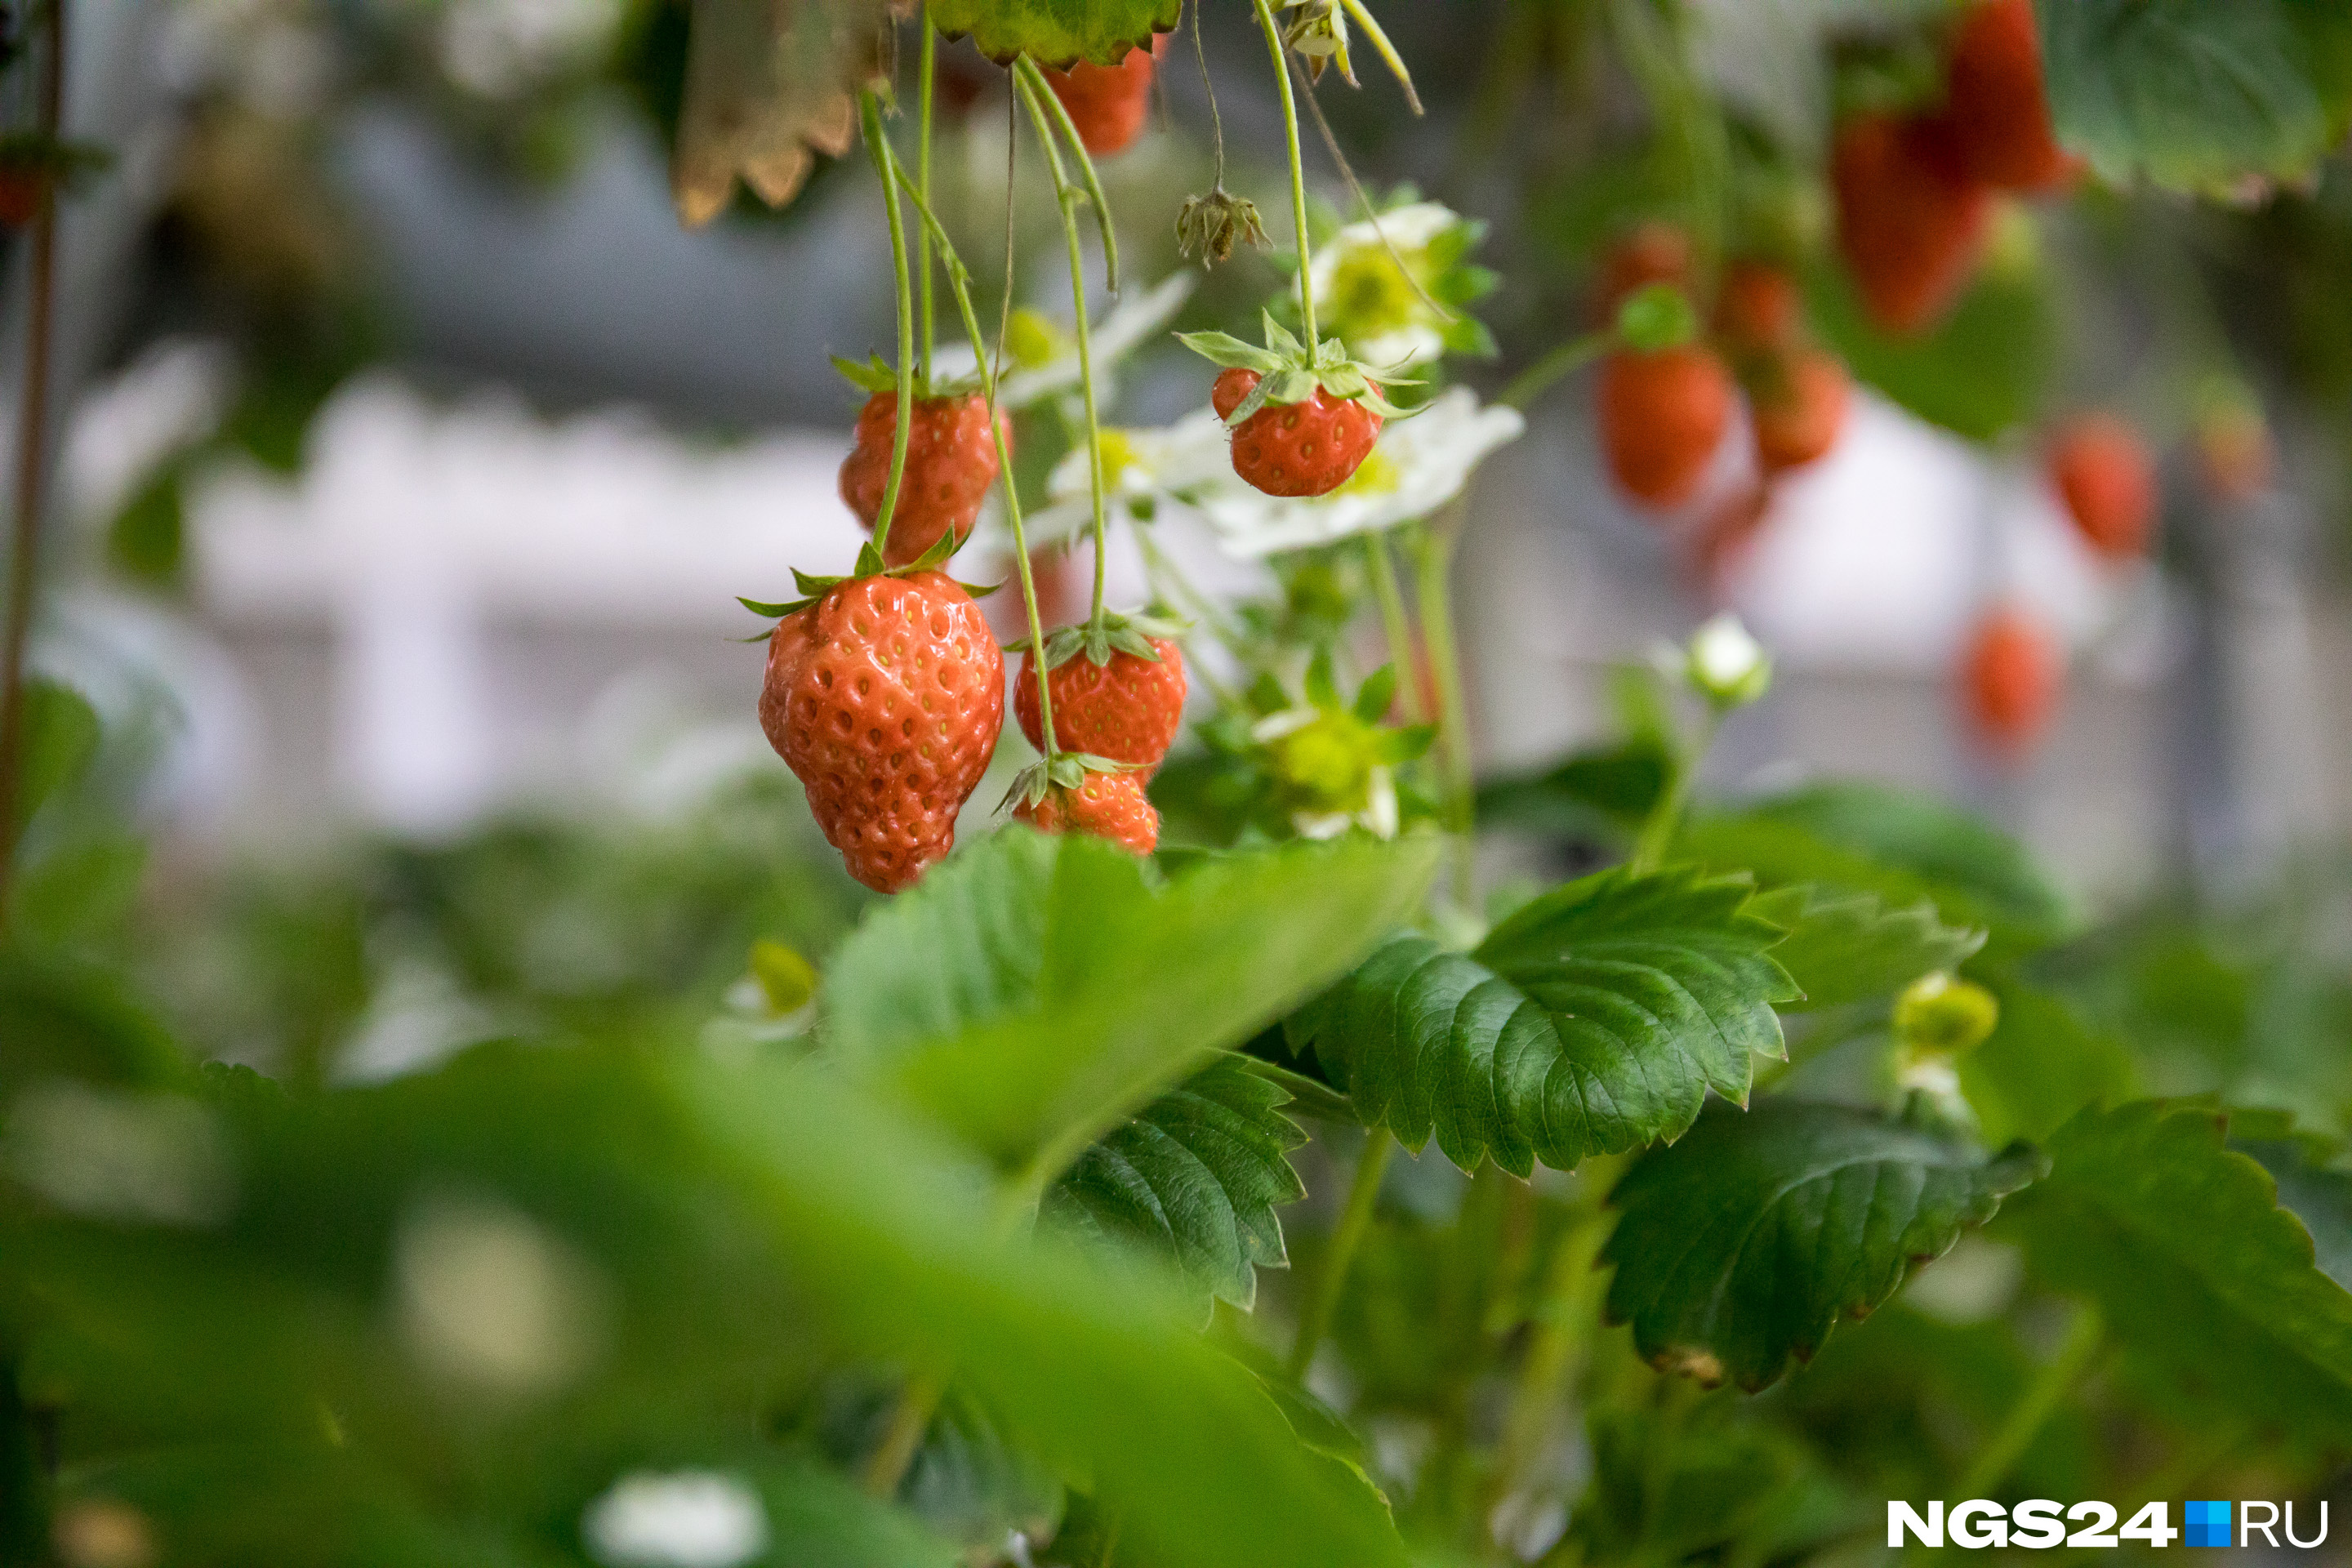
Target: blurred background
415 455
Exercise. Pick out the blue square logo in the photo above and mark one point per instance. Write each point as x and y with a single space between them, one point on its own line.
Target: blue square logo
2208 1524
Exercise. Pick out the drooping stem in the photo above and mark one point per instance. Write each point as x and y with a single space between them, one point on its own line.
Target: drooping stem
1216 123
1433 572
1566 1310
918 1400
925 69
2050 1387
1537 378
1068 196
1273 31
1323 1290
32 439
1394 624
959 284
879 148
1658 829
1043 102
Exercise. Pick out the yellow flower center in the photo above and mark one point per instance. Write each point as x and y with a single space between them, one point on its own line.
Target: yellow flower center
1377 475
1033 338
1119 455
1370 294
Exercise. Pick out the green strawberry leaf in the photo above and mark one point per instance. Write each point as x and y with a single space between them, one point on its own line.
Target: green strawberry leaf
1849 947
1035 991
1194 1176
1902 848
2313 1184
61 733
973 1485
2193 94
1983 372
2199 1273
1593 1020
1742 1244
1056 32
2041 1063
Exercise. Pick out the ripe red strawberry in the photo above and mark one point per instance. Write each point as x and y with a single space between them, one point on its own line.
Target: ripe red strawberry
1910 220
1651 252
2010 674
1127 711
950 463
1307 449
1109 805
1757 307
885 696
1994 109
1798 403
1662 416
2108 478
1108 104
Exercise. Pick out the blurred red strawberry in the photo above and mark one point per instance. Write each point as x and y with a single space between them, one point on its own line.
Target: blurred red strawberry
2011 673
1797 403
1994 107
1911 220
2105 475
1662 416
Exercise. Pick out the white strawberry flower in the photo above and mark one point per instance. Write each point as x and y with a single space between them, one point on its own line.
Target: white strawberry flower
1042 353
1141 468
1392 319
1417 466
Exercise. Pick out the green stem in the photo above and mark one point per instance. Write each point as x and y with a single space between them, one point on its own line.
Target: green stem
1044 101
923 89
877 146
1394 623
1433 571
918 1400
32 443
1657 835
1069 196
959 284
1273 31
1567 1307
1323 1290
2026 1418
1568 358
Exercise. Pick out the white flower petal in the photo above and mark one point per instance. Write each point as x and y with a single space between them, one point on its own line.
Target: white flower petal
1430 455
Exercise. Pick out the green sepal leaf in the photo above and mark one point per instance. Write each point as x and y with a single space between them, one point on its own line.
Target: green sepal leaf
1742 1244
1322 686
1195 1176
937 555
1375 696
773 612
2204 1278
1228 351
1656 316
1848 947
869 376
1593 1020
1034 990
870 561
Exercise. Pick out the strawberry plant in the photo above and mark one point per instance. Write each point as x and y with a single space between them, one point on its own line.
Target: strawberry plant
1275 1143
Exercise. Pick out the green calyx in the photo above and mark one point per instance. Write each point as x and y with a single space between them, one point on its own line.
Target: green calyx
876 374
1324 754
1098 639
1655 318
1287 374
1064 770
1943 1016
869 564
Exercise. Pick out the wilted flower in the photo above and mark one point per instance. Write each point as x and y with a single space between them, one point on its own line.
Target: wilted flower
1210 226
